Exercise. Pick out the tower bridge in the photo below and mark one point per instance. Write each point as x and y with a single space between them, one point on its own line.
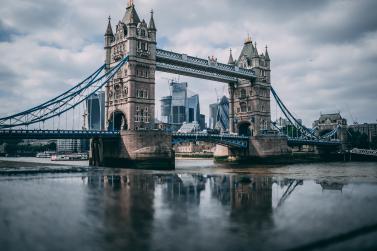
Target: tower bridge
128 77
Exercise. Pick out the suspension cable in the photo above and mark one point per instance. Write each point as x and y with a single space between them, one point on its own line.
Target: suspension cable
59 105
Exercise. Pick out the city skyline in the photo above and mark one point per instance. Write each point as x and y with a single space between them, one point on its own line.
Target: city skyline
323 53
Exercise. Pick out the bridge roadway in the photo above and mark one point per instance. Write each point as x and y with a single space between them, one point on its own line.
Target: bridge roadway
56 134
222 139
312 142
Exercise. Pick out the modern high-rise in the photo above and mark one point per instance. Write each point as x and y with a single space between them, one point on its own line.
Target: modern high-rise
166 109
181 106
222 116
178 103
212 115
95 106
69 146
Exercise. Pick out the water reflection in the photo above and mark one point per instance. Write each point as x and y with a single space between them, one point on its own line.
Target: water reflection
135 205
183 211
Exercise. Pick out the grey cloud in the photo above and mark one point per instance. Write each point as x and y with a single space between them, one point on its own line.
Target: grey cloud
28 16
323 52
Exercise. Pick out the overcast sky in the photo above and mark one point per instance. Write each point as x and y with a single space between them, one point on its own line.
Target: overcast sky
323 53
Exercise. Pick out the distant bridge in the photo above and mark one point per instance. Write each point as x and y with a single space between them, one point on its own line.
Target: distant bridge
366 152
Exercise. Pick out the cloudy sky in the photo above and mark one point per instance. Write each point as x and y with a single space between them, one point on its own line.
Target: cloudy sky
324 53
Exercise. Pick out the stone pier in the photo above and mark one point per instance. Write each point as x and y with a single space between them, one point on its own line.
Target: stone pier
261 148
145 149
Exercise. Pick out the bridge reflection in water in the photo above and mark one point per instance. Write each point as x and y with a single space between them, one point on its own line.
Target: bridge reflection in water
166 211
189 210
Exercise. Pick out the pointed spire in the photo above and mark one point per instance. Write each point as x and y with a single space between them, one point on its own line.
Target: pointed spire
256 54
266 55
230 60
109 30
248 39
131 17
151 25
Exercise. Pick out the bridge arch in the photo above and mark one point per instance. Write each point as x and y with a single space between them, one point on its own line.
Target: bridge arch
117 121
244 128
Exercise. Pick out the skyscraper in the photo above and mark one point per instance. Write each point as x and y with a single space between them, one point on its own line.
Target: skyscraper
95 106
222 117
181 106
166 109
212 115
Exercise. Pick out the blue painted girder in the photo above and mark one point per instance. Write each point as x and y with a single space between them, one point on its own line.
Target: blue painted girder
56 134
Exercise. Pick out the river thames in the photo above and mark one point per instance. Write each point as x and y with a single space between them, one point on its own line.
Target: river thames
198 206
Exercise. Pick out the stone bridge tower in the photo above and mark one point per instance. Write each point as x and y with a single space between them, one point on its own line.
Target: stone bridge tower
130 95
130 99
250 100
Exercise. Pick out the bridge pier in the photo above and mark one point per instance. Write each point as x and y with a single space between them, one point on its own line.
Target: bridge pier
265 146
262 148
144 149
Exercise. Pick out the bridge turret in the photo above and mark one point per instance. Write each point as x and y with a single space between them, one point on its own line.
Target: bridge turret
268 69
152 26
255 57
231 60
109 38
152 35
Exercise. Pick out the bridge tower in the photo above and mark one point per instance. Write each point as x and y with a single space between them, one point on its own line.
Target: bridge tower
130 101
130 98
250 100
249 108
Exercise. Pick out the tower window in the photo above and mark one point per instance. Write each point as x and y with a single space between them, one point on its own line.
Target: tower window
243 93
243 107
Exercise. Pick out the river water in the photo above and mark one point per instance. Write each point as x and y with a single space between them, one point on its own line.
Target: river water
198 206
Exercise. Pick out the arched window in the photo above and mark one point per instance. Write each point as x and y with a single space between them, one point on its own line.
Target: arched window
142 32
243 93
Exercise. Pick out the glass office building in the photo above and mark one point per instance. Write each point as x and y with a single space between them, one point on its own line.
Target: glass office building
181 106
